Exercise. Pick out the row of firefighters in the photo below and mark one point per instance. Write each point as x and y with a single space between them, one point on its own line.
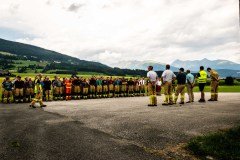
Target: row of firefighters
72 88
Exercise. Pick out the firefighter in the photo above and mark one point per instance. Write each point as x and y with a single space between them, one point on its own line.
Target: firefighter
111 87
131 87
27 90
76 87
19 85
167 77
99 87
57 84
142 86
152 79
68 89
190 84
92 90
38 92
202 80
214 84
123 87
117 87
47 89
136 87
85 88
105 87
181 80
7 94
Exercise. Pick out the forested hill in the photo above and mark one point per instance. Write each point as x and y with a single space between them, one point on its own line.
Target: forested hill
29 58
36 53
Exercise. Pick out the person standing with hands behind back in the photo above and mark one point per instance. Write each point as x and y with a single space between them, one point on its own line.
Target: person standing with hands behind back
152 79
190 84
167 78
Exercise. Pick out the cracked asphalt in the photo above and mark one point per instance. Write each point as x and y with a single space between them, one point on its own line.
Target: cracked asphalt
113 128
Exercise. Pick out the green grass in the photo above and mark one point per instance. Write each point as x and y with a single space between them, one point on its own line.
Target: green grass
225 88
220 145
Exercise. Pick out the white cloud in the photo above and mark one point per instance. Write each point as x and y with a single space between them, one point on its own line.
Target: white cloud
113 30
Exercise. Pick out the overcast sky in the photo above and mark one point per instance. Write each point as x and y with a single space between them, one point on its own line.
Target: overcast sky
109 31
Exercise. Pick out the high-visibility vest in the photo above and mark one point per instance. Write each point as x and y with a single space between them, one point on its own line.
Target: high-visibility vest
203 77
37 86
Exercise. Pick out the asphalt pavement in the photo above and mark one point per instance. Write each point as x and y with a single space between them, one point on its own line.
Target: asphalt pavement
113 128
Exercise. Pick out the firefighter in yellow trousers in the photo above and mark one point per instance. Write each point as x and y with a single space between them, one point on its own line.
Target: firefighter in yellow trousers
38 92
167 77
214 84
181 80
7 93
152 79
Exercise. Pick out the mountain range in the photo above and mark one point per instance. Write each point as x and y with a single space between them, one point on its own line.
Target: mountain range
214 64
225 68
143 65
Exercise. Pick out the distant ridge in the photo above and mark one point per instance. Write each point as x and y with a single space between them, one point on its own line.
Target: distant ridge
214 64
143 65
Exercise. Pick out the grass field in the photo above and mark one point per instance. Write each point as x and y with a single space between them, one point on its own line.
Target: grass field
220 145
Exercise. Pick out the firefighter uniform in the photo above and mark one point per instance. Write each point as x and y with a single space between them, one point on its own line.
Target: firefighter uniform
105 87
19 85
136 88
214 85
68 90
7 94
167 77
111 87
116 88
124 87
85 86
92 88
99 87
152 79
181 80
38 93
29 90
47 89
76 88
58 86
131 87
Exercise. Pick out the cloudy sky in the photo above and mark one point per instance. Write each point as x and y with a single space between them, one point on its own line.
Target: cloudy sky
110 31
